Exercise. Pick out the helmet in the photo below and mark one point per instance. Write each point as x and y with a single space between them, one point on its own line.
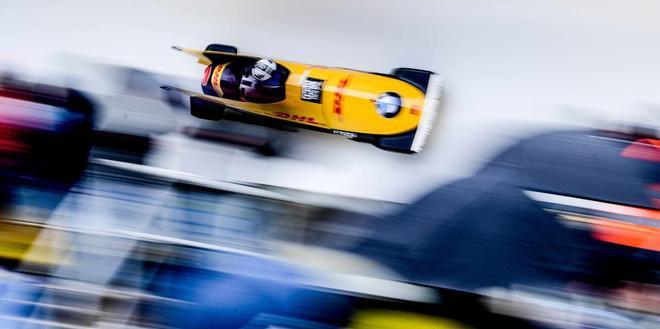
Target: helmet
263 69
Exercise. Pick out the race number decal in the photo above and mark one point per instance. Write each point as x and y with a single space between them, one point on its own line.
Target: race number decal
312 89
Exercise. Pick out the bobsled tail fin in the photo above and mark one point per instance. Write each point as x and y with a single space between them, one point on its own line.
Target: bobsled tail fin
201 58
216 54
180 90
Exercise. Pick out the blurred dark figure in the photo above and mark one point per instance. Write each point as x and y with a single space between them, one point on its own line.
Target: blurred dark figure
508 224
45 138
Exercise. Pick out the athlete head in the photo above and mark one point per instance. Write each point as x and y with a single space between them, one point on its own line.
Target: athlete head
263 69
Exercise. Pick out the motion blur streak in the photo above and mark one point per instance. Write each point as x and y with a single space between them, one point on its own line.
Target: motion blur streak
535 203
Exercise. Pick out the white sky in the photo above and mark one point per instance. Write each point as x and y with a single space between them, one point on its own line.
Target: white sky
510 67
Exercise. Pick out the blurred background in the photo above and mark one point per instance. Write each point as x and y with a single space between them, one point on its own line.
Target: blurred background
534 204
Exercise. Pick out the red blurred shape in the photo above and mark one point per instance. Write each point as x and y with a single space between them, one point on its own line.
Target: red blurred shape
643 149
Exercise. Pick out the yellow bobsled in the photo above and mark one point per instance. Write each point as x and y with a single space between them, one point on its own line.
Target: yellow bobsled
392 111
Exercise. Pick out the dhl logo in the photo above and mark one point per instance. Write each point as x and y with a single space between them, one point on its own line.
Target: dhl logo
336 105
299 118
215 79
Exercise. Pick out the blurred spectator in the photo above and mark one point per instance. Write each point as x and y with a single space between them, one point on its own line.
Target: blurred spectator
46 137
485 231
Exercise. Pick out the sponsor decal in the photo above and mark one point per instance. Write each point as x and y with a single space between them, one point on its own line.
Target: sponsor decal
416 110
294 117
205 77
339 92
345 133
312 90
215 79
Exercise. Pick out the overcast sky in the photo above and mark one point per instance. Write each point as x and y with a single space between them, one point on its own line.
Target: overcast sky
510 68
